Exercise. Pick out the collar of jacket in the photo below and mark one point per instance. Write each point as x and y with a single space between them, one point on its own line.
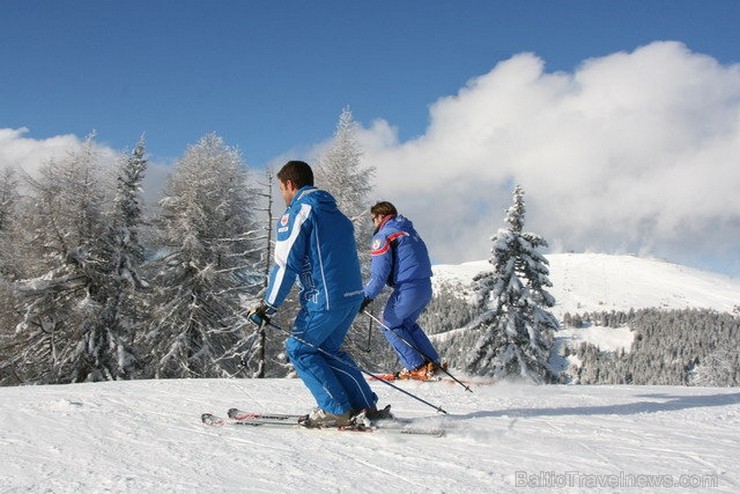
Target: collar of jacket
303 191
386 219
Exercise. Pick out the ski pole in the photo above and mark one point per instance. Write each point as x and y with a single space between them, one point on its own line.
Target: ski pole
336 357
369 335
427 357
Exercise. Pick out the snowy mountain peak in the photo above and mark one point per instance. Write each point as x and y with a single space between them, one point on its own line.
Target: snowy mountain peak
603 282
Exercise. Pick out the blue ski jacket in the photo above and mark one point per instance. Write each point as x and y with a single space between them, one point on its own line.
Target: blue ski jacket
399 256
315 246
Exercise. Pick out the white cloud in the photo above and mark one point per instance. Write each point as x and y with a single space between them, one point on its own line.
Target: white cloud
28 155
631 152
24 153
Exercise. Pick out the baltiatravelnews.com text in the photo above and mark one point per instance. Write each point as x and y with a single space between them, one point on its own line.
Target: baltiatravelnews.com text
575 479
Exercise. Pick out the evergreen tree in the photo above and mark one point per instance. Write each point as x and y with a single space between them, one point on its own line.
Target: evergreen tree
674 347
208 262
67 332
126 218
447 311
516 327
123 255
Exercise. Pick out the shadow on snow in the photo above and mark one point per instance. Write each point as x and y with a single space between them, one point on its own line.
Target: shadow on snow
671 403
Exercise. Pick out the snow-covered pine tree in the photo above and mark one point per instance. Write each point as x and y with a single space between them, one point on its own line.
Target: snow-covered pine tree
516 327
67 332
126 217
340 171
123 256
208 262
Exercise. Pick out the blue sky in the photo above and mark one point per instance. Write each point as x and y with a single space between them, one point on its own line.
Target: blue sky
272 77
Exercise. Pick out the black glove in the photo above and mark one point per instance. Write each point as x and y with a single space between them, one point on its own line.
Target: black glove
364 304
261 313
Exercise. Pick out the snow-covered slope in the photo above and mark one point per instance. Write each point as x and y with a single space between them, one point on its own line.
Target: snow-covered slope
602 282
146 436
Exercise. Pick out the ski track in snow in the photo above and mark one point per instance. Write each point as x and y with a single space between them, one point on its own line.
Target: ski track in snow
146 436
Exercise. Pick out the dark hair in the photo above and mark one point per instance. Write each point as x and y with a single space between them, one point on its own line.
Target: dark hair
298 172
383 208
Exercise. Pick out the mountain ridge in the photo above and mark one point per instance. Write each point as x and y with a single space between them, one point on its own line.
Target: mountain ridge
592 282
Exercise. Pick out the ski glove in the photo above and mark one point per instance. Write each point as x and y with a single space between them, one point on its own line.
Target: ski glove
364 304
261 313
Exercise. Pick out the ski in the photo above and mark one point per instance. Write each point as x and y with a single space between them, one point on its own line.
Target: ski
242 416
394 377
434 379
238 417
216 421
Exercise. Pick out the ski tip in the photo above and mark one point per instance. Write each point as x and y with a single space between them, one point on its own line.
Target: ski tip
383 377
210 419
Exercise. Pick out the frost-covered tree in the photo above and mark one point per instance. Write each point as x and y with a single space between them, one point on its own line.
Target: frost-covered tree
122 256
126 217
9 267
341 172
9 201
67 331
208 261
670 347
719 368
9 196
515 326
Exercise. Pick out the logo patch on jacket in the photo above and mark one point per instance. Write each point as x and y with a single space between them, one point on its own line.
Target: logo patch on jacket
377 243
284 219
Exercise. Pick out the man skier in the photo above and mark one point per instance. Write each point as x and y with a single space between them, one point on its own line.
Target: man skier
400 259
315 245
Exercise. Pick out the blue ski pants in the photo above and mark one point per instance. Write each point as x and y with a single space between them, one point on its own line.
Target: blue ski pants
331 375
404 307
